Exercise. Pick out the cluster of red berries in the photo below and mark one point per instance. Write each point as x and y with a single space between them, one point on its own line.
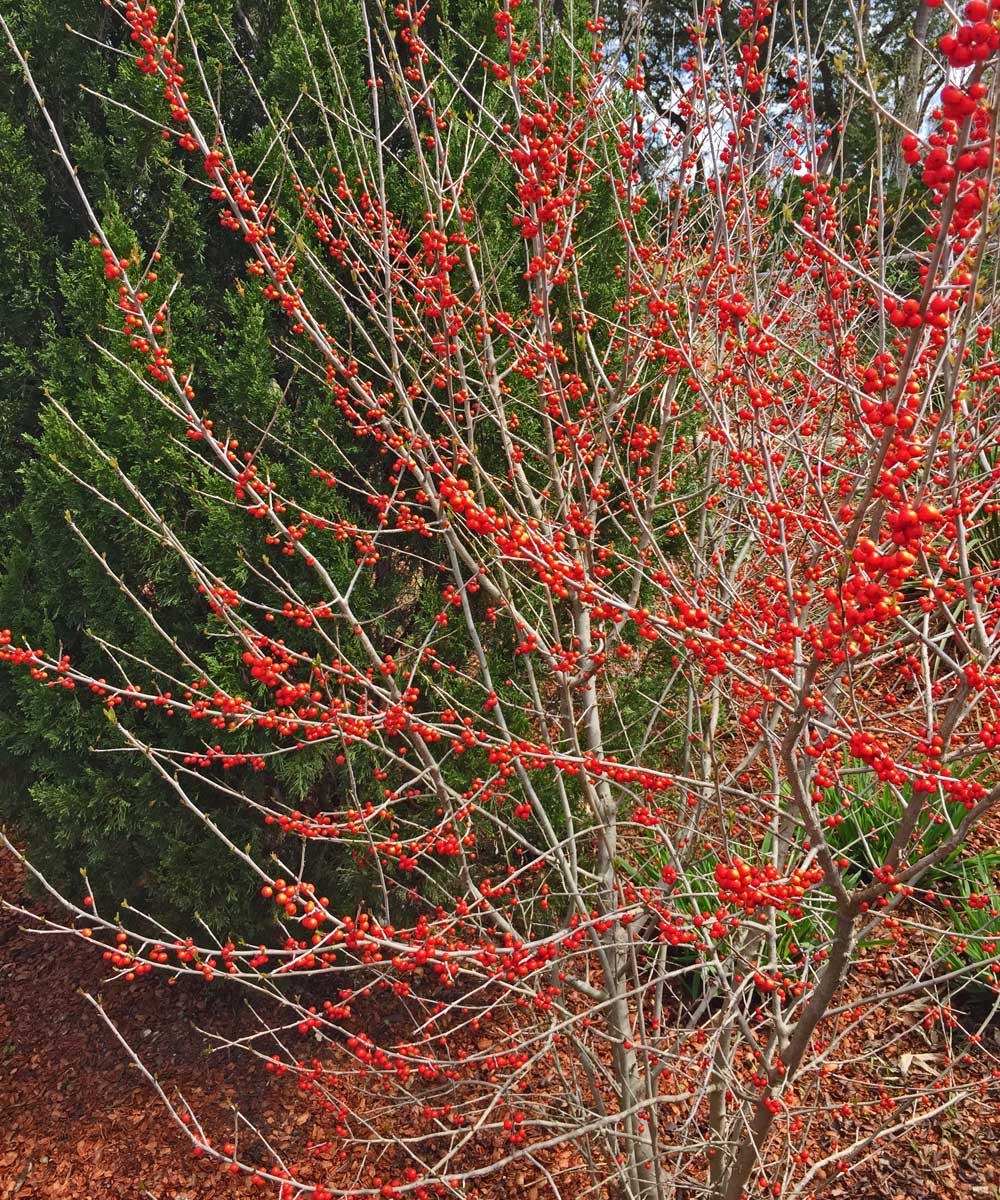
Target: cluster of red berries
751 887
977 39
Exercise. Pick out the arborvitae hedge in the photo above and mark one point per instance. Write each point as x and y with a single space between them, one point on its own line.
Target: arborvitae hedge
65 788
65 785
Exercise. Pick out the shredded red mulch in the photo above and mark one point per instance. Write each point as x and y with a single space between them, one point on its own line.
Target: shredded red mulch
77 1120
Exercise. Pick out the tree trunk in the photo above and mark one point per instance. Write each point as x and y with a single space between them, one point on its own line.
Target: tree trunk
909 101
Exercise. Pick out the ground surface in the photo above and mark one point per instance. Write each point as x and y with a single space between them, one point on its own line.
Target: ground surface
78 1121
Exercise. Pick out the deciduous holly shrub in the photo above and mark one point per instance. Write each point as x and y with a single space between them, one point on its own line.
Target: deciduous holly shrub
646 657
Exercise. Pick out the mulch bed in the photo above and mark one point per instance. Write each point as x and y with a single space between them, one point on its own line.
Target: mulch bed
77 1120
